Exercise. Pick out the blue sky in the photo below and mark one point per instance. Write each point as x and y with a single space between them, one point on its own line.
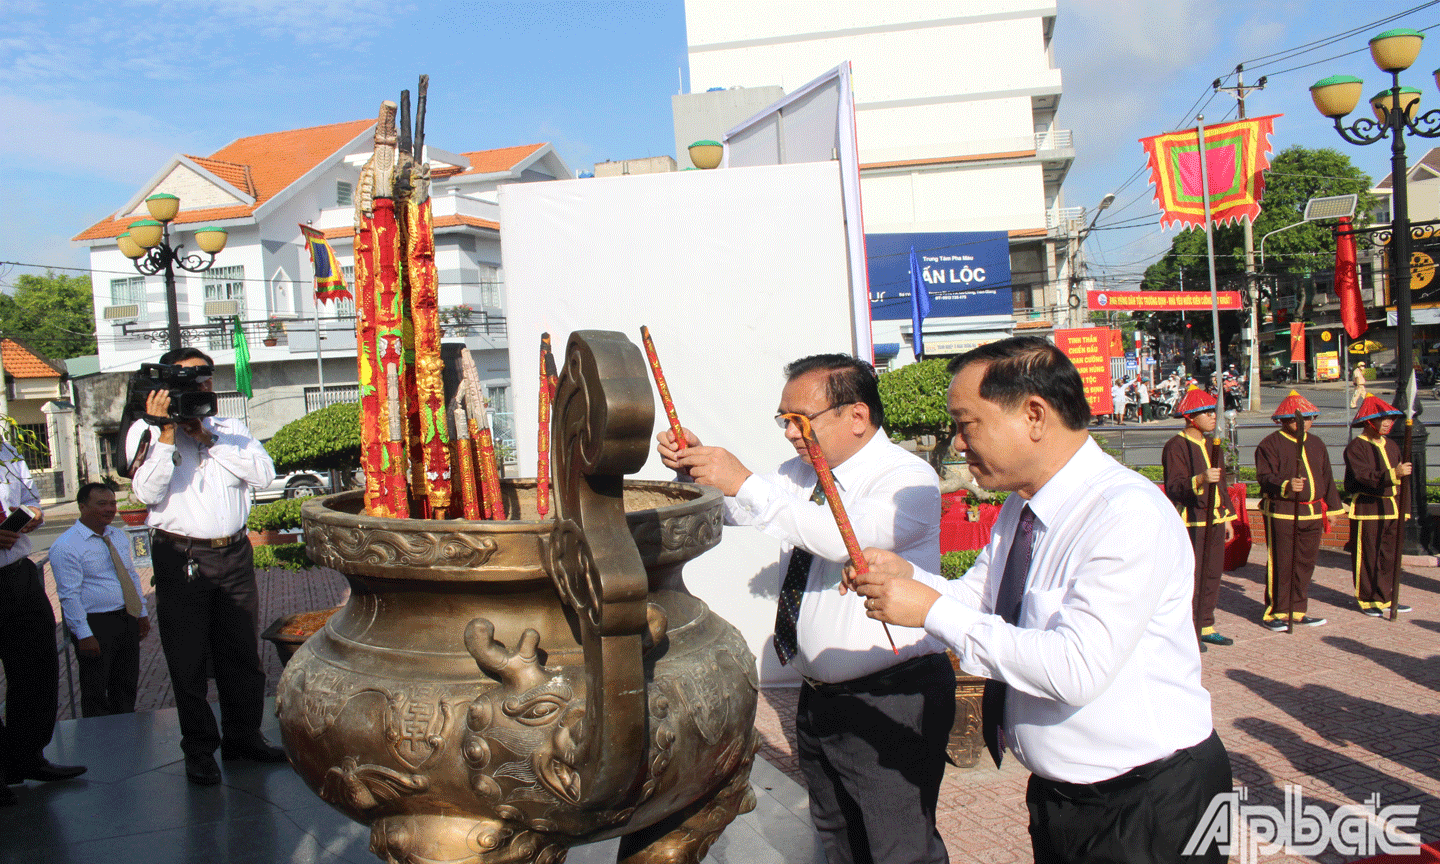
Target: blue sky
98 95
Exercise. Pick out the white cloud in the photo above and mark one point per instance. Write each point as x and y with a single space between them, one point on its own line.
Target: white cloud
73 138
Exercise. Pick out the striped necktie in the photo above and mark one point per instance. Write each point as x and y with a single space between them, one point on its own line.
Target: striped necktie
792 592
1007 606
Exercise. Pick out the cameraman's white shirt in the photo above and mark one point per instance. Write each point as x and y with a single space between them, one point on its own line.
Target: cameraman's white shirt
203 494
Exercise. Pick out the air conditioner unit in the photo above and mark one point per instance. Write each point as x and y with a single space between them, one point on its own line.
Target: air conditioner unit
221 308
121 313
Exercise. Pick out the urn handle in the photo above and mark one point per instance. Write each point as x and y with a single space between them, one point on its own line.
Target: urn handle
603 416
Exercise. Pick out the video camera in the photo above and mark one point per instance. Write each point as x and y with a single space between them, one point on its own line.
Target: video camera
187 400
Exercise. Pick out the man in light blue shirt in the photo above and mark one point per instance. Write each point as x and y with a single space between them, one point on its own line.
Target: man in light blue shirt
100 594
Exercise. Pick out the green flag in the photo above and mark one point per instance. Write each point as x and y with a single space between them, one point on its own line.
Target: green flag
242 361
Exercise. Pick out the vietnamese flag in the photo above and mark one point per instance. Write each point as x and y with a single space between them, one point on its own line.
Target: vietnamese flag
1297 341
1347 283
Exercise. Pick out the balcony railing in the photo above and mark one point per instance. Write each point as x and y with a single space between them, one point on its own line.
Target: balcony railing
1055 139
1059 218
219 335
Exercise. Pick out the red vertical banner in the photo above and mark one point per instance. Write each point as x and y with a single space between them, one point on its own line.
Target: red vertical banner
1090 350
1297 341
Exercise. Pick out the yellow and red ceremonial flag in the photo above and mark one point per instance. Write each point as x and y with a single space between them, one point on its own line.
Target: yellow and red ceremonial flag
329 279
1236 156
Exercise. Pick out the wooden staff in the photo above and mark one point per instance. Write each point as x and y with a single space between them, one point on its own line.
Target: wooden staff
1209 505
837 509
1295 533
542 470
1403 503
665 391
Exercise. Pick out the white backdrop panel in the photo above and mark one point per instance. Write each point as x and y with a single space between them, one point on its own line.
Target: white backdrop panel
736 272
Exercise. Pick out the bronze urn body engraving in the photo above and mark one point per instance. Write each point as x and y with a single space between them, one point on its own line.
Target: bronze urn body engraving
501 691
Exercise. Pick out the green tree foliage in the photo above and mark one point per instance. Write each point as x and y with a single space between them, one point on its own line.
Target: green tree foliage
1296 175
914 399
320 441
53 314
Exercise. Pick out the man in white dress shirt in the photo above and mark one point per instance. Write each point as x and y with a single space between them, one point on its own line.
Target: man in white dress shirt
1079 610
871 724
27 644
88 562
196 480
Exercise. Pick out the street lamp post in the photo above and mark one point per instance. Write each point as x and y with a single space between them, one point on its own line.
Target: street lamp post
1393 51
147 244
1077 242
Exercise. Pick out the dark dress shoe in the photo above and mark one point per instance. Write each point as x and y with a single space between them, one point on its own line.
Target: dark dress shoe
257 750
8 798
202 770
44 771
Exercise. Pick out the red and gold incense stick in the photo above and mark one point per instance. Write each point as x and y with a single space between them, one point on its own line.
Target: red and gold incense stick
542 471
465 463
837 509
663 388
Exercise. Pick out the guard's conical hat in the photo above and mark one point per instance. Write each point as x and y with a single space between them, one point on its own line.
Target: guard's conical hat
1194 401
1295 403
1374 408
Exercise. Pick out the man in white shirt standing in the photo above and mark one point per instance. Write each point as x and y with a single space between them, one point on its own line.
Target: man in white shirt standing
871 723
103 603
195 478
1081 619
27 643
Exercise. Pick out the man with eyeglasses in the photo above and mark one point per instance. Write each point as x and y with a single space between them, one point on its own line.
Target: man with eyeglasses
197 486
872 723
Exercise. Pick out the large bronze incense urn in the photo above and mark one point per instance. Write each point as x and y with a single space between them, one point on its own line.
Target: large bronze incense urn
501 691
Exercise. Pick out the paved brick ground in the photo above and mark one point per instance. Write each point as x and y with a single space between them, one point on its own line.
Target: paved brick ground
1344 710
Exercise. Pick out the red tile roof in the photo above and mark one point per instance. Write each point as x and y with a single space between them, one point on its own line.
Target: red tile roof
261 165
503 159
22 362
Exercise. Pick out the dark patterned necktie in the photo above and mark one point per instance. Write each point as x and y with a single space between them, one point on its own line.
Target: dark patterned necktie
1007 606
792 592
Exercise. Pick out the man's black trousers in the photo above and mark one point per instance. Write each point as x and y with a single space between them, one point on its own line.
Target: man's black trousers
108 682
32 676
212 615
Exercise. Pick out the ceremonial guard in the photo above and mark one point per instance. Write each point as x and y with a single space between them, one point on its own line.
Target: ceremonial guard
1297 490
1373 473
1195 481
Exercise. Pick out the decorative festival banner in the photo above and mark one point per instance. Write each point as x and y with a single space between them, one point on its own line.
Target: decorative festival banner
1090 350
1160 301
329 280
1236 155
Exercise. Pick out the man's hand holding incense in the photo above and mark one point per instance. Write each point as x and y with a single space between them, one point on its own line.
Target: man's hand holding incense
713 466
669 453
891 594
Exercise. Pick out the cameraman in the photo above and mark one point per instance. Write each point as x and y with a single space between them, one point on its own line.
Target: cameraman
194 482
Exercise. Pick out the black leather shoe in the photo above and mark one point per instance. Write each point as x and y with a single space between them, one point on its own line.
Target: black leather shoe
44 771
8 798
202 770
258 750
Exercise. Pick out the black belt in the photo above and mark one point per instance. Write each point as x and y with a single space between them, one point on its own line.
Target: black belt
1136 775
218 543
886 679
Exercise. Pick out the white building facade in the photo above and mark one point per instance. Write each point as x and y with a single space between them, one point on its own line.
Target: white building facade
955 105
261 189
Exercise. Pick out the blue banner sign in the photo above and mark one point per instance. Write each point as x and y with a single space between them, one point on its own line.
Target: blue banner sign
966 273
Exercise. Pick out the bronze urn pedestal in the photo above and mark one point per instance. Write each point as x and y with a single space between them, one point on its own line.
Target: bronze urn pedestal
501 691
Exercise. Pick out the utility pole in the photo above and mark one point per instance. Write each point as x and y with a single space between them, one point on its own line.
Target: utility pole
1240 91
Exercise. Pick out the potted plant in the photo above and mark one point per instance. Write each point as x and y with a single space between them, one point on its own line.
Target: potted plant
273 328
459 316
132 510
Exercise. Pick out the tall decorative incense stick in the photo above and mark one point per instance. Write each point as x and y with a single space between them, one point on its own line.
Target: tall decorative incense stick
542 471
837 509
465 463
484 440
664 390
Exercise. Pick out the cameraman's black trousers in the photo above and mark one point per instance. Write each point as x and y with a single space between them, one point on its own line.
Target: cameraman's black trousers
214 614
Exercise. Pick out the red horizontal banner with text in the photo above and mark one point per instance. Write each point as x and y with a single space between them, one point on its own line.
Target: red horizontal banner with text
1160 301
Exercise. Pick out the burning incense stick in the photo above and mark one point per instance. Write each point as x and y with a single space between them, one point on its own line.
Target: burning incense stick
663 388
542 471
837 509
